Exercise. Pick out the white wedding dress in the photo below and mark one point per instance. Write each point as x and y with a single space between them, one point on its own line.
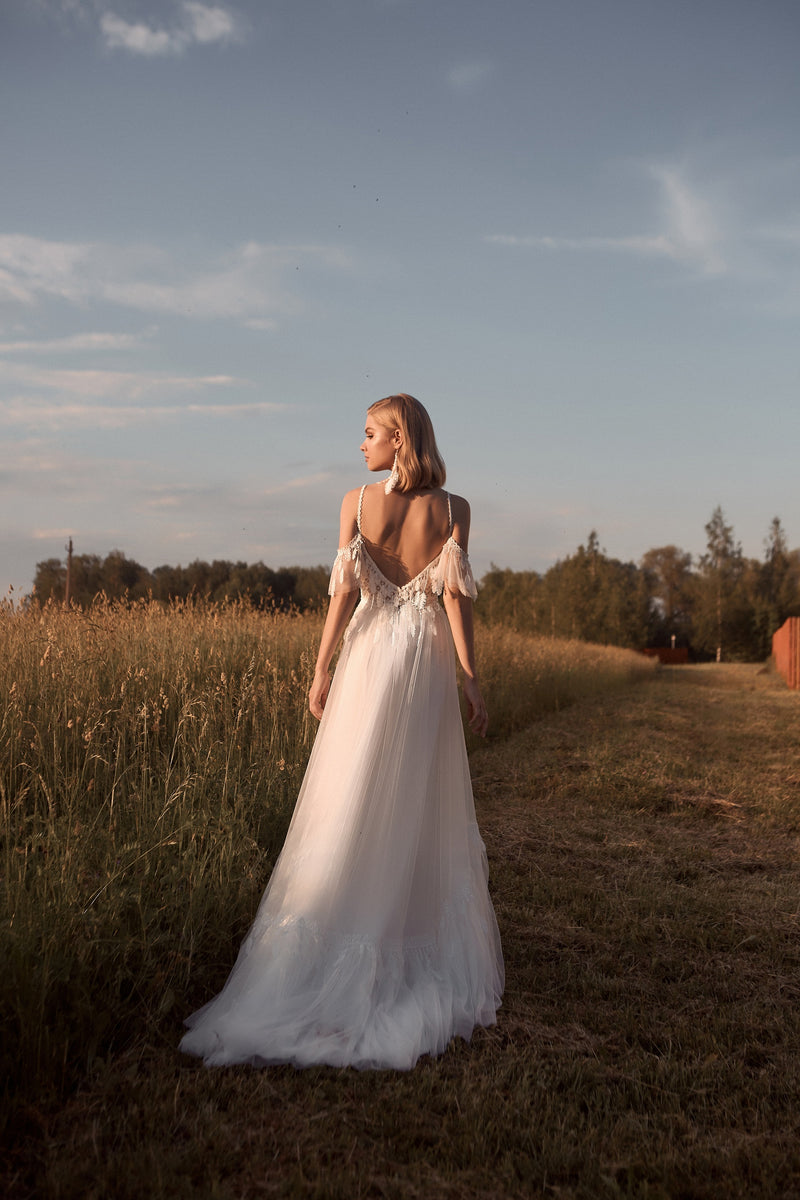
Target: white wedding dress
376 940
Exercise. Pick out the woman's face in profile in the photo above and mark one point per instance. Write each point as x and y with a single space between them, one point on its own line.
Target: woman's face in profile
378 446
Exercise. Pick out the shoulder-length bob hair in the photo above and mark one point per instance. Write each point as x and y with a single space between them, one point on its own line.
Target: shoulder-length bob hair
419 463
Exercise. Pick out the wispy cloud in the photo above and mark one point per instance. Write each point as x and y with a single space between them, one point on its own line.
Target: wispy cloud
782 235
195 24
51 535
657 244
692 231
26 413
75 343
245 284
43 398
466 76
301 481
119 385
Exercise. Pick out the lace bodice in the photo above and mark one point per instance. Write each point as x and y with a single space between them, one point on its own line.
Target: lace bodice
355 569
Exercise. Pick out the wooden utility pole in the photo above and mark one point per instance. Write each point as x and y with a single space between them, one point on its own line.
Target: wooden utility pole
68 584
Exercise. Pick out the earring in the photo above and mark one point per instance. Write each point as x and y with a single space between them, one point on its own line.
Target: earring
394 478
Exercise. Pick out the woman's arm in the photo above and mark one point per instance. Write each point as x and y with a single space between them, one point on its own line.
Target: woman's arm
459 613
340 610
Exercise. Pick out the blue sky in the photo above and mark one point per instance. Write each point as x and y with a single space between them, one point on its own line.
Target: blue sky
571 228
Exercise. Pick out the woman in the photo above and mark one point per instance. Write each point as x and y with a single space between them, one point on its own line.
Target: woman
376 941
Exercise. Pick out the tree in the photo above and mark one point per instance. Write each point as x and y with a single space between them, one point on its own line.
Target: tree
774 588
595 598
779 589
123 576
311 586
722 623
668 571
510 598
49 580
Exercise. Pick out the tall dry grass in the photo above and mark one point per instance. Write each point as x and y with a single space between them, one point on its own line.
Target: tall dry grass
149 761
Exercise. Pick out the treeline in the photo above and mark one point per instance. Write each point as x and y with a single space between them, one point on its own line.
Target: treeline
722 606
117 576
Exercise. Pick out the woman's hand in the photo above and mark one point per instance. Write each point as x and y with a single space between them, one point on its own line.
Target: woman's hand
319 693
476 706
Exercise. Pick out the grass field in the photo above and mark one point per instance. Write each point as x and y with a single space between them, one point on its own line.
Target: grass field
643 847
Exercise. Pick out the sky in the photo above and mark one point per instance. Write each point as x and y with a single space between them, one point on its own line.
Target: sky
570 227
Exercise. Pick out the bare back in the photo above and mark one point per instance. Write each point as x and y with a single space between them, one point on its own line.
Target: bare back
405 531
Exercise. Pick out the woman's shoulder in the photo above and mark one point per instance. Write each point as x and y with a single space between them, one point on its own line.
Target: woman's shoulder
460 519
348 516
459 506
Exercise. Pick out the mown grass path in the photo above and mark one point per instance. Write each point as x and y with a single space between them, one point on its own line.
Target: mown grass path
644 859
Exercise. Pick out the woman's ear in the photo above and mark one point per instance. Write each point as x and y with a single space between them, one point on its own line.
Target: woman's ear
397 438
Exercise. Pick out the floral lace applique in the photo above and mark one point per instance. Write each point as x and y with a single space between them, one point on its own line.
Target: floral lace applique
354 568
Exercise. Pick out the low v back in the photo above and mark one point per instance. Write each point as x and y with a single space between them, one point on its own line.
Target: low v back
401 560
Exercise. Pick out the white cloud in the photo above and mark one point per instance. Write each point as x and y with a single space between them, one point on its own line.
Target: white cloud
120 385
244 284
466 76
76 342
210 24
29 265
302 481
51 535
693 233
25 412
197 24
657 244
139 39
40 398
263 323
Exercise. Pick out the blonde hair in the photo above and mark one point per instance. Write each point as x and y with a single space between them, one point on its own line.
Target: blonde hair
419 463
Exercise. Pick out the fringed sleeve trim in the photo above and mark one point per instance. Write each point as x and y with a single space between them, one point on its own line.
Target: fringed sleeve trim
453 571
346 573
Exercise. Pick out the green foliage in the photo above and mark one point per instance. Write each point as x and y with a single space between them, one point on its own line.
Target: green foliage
668 580
596 598
511 599
588 597
117 576
729 607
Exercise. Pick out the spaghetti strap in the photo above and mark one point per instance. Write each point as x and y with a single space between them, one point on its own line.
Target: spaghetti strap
449 516
360 502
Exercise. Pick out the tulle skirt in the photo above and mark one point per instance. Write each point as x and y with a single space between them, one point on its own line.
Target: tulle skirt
375 941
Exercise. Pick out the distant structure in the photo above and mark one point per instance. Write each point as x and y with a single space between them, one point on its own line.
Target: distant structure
68 584
786 651
670 656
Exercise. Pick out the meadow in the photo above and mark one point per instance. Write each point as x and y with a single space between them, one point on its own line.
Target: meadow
642 830
150 758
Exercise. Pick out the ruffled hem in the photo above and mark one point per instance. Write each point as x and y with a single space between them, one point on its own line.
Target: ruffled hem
306 997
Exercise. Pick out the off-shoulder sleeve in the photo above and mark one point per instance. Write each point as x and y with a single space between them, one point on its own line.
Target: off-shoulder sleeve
454 572
346 573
